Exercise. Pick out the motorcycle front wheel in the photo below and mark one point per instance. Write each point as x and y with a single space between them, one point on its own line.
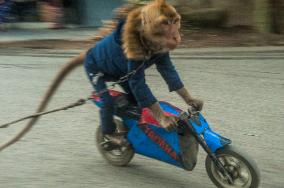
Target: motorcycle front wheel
240 166
118 157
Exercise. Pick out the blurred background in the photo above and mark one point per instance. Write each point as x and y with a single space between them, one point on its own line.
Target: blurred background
205 22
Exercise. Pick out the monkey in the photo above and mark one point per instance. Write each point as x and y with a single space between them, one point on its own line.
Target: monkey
138 35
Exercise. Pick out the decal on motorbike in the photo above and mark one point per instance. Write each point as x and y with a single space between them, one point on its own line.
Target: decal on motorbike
159 141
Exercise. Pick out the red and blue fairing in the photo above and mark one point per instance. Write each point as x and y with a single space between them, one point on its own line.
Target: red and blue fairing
213 140
148 138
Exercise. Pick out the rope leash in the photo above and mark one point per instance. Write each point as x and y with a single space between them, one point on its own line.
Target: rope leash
80 102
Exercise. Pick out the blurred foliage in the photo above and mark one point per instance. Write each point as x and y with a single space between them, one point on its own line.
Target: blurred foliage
262 15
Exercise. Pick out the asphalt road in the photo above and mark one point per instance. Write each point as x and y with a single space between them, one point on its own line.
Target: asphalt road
43 34
243 90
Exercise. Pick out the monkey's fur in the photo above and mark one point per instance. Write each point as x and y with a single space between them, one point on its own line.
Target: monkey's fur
150 29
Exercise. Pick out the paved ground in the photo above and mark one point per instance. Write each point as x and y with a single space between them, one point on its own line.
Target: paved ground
192 38
43 34
243 90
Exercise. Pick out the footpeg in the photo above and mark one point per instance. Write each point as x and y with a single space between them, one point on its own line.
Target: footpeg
108 145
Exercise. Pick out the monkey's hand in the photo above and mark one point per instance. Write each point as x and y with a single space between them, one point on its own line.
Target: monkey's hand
167 122
197 104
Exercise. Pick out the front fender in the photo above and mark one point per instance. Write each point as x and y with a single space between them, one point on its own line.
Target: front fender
214 140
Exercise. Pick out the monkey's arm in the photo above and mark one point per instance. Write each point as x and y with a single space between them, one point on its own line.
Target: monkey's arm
144 96
168 122
138 86
196 103
184 94
170 75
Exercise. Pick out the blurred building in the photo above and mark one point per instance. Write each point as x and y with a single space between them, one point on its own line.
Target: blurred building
92 12
85 12
78 12
88 12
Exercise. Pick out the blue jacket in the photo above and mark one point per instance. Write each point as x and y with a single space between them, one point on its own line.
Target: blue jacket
108 57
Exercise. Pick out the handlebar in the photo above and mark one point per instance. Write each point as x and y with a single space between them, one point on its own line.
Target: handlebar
185 116
192 111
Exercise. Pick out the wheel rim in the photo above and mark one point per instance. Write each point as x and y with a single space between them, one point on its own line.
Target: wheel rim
116 152
239 171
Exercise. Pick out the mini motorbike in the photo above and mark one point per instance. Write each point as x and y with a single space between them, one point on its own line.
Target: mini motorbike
226 166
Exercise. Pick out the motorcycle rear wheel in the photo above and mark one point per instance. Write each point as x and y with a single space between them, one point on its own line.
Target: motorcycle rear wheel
241 167
117 157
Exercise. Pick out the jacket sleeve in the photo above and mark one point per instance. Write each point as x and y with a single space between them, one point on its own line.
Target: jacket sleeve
169 73
138 86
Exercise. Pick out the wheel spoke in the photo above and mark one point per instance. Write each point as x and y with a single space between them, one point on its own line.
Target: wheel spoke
244 176
227 160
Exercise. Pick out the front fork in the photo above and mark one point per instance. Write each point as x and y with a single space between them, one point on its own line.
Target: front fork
215 159
208 140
